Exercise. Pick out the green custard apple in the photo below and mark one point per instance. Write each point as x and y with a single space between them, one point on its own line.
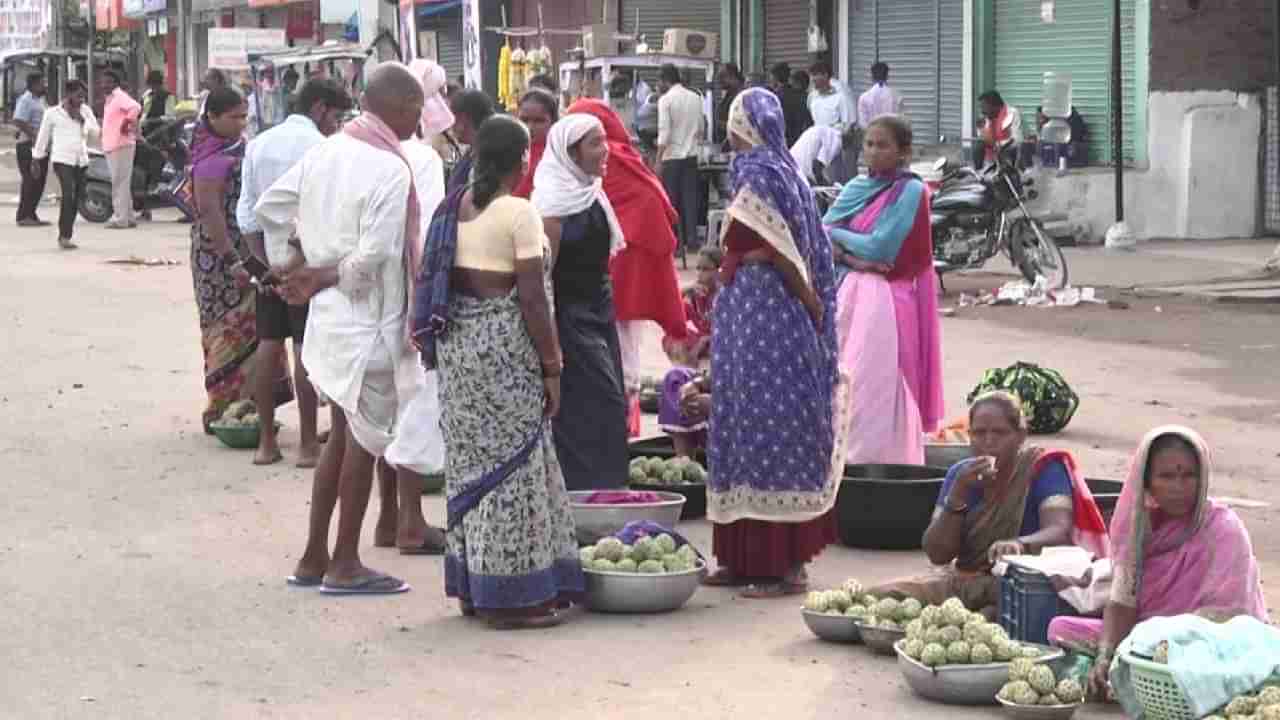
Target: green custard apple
1051 699
815 601
637 476
1269 696
666 543
1026 696
980 654
915 630
1269 712
650 567
675 564
887 608
840 599
1005 650
1069 691
1042 679
603 565
626 565
646 549
914 648
958 653
950 634
1242 705
930 616
610 548
1020 669
909 609
933 655
975 632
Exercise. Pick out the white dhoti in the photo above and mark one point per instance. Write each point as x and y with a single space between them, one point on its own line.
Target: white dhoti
418 445
373 419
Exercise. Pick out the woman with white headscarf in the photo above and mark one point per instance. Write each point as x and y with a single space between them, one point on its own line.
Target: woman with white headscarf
591 428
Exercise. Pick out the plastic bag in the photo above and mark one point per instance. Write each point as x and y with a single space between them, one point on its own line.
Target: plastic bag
1048 401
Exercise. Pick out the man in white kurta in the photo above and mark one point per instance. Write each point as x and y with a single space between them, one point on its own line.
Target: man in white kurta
348 200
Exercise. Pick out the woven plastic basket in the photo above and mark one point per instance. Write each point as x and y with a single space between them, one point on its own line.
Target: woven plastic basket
1160 696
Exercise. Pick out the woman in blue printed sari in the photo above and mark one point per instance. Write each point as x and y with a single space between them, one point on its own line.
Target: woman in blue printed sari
775 445
482 316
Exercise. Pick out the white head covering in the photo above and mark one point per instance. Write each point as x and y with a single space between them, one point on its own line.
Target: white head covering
561 188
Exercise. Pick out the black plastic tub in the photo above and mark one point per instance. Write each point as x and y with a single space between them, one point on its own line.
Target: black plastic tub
944 455
887 507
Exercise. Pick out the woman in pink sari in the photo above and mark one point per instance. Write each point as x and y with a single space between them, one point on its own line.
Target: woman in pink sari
887 305
1176 552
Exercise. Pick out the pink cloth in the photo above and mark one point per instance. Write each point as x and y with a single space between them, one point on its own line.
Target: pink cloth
436 115
371 129
622 497
885 426
118 109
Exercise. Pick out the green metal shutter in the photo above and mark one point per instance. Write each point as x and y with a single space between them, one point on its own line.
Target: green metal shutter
1077 42
786 34
908 39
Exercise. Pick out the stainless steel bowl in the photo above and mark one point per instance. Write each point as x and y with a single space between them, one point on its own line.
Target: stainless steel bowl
593 522
961 684
832 628
881 640
614 592
1039 712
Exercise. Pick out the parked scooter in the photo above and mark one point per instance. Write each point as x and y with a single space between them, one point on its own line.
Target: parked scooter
159 168
977 215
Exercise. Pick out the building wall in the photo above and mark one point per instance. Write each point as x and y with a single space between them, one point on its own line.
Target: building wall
1221 45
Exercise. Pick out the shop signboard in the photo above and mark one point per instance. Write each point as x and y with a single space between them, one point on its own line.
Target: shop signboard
229 48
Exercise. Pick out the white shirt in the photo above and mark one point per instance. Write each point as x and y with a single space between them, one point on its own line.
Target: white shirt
64 140
833 109
879 100
679 122
265 162
819 143
30 109
347 200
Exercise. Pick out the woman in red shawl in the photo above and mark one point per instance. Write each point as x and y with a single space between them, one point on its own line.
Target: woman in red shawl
645 286
538 111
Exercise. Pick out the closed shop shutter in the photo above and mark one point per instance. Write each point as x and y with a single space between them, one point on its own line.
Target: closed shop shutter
909 43
1271 181
951 70
786 34
658 15
923 43
448 29
1078 42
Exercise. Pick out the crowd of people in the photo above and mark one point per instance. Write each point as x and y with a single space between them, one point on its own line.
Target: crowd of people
486 326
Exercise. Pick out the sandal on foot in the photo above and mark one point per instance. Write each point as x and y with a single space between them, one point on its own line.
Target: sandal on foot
304 581
371 585
533 622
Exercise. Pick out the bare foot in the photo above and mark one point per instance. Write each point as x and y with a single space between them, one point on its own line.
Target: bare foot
308 457
267 455
384 533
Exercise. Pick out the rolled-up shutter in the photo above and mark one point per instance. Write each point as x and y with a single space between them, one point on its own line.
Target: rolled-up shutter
786 34
1078 42
951 70
862 44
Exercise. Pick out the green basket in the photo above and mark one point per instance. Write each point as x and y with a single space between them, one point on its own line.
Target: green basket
1159 695
239 437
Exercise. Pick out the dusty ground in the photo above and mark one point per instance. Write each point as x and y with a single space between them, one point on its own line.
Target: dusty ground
142 564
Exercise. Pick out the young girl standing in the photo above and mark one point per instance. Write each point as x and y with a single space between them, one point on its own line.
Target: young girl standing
887 303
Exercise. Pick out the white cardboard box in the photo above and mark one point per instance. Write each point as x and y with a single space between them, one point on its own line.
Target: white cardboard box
690 43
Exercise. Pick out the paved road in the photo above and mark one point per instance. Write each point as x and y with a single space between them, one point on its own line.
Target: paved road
142 564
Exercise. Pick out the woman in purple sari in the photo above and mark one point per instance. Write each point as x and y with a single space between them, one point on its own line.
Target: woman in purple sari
773 436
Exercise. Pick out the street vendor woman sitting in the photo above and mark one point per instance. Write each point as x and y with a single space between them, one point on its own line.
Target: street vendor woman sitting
1176 552
1010 499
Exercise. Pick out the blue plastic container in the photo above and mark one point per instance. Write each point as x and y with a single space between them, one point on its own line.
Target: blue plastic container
1027 603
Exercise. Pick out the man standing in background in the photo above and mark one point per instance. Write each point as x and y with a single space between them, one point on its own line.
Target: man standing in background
829 103
318 109
880 99
27 116
731 81
795 110
119 143
679 130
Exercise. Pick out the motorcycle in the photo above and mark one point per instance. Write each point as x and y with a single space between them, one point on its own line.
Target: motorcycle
159 168
978 215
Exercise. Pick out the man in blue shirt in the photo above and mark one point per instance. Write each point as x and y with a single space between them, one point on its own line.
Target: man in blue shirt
27 116
318 107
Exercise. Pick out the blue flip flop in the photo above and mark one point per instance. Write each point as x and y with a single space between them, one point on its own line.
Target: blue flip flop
304 581
371 585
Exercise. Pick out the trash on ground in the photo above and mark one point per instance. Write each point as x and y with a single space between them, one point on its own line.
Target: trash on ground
1020 292
146 262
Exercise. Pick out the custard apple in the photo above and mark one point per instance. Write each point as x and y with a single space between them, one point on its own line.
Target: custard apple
1029 651
1269 696
1020 669
887 608
1005 650
954 615
858 611
933 655
1069 691
914 648
626 565
1042 679
603 565
1050 699
975 632
958 653
839 599
646 549
815 601
950 634
909 609
980 654
1242 705
666 543
650 567
1012 689
930 615
915 630
933 634
674 564
1268 712
689 554
1026 696
610 548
